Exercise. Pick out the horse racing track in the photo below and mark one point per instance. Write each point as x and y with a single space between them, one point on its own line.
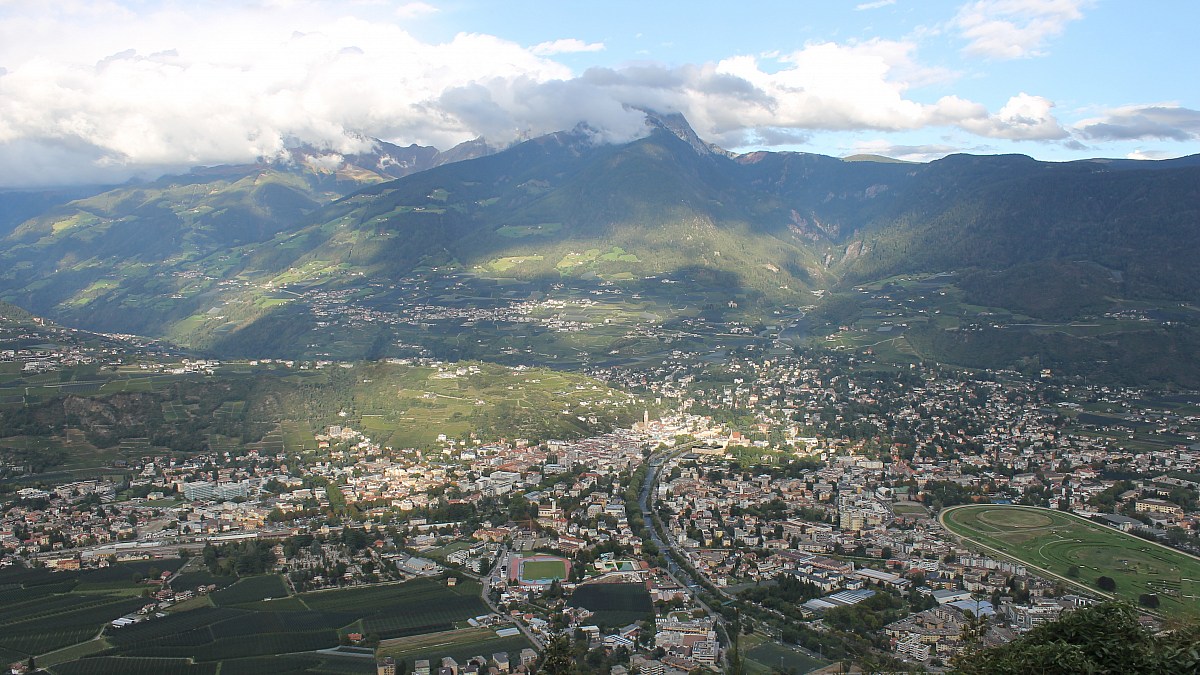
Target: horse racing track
1081 551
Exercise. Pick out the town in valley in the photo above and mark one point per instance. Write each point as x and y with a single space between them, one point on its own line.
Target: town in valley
774 506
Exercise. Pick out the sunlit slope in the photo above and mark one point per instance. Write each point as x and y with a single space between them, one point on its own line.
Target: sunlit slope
234 255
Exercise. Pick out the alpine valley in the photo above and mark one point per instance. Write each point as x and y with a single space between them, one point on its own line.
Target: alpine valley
576 408
562 252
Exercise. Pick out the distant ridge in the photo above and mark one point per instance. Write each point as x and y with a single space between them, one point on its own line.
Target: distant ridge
876 158
206 257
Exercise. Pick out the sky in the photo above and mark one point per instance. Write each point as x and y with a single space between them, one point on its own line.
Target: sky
101 91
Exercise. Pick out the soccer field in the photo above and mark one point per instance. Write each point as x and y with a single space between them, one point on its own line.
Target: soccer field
537 570
1055 542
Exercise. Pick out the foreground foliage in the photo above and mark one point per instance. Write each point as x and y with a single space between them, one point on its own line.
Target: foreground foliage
1105 638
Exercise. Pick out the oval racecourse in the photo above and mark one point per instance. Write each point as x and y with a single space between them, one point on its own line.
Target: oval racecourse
1053 542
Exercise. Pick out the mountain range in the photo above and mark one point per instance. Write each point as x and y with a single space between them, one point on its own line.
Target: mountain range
231 251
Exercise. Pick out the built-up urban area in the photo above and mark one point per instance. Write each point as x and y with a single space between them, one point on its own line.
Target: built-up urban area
778 509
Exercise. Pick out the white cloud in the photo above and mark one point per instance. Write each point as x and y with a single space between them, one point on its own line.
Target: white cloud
873 5
139 93
1167 121
1014 29
1022 118
566 46
908 153
174 89
1148 154
862 86
328 162
415 10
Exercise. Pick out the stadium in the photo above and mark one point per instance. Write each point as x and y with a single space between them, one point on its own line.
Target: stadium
537 571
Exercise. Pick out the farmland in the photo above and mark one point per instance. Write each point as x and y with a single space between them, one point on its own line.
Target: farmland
251 589
62 619
461 644
1060 543
412 608
614 605
42 612
396 404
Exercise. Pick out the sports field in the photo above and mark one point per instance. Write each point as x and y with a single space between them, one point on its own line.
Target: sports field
764 657
1055 542
542 569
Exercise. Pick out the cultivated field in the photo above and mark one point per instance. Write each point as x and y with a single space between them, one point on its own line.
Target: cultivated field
251 589
63 620
412 608
1056 542
459 644
614 605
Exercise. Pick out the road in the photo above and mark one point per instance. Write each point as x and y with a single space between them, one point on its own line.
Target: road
674 571
485 583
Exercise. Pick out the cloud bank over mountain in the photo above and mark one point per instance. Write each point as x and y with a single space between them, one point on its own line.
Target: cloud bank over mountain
101 91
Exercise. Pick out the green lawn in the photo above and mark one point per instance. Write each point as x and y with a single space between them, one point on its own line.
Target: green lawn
764 657
1055 542
908 508
533 570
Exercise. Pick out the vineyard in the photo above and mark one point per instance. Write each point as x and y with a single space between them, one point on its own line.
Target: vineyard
252 625
614 605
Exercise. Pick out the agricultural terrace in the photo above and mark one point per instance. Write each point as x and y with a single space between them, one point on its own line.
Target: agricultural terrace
1057 542
539 570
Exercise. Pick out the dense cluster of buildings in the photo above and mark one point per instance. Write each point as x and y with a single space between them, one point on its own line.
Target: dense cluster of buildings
795 466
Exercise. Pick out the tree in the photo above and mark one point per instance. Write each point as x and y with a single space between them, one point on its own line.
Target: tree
975 627
1106 583
556 660
1104 638
1073 571
1149 600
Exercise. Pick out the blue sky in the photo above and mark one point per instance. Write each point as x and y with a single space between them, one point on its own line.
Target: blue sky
114 88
